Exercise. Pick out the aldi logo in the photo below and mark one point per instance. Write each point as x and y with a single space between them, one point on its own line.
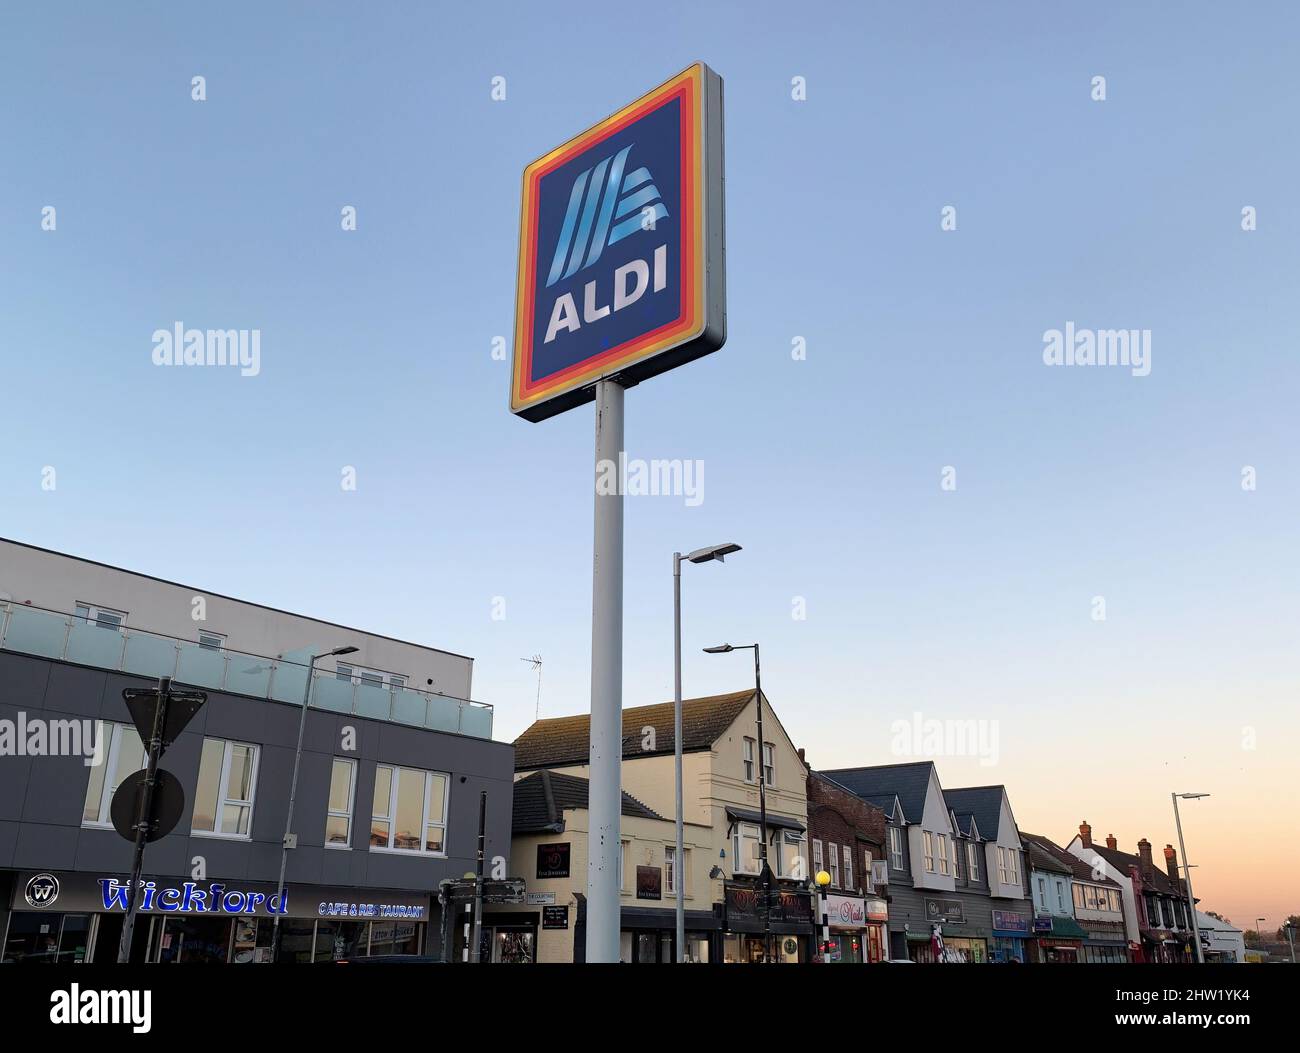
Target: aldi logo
621 249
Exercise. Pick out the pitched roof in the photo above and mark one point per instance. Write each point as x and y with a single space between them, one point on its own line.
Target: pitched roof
1042 859
983 802
541 799
908 782
1080 868
558 741
1155 878
966 824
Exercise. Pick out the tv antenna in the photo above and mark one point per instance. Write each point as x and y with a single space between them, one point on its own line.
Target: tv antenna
536 663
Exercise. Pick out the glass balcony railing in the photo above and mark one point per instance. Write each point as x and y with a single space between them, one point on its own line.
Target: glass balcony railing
70 638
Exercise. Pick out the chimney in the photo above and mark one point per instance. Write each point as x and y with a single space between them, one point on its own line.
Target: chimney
1085 834
1111 843
1144 854
802 760
1171 864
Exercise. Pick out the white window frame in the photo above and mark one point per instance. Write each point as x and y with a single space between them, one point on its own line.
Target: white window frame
427 820
738 839
670 868
358 674
94 610
219 638
1060 895
747 760
817 856
352 800
116 733
972 862
942 853
790 839
896 847
769 764
228 748
928 838
1002 865
848 866
833 854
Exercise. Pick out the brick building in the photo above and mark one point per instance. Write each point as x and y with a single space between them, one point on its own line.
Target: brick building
846 835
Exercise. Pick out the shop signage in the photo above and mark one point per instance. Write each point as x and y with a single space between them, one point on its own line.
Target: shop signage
1008 921
41 891
553 860
539 899
621 249
845 912
951 910
555 917
1042 924
191 898
744 904
649 883
371 910
877 910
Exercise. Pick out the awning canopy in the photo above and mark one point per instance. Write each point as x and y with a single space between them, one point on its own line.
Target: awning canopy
745 815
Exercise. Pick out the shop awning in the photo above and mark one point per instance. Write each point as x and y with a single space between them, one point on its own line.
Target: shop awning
1066 929
745 815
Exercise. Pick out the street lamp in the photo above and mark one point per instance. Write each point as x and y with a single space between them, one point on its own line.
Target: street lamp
293 792
824 937
1259 932
700 555
1187 871
1289 929
765 871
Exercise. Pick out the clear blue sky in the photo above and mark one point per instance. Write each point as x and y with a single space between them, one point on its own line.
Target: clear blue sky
924 350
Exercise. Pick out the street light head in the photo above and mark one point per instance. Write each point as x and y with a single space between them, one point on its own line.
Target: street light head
345 650
720 649
823 879
718 552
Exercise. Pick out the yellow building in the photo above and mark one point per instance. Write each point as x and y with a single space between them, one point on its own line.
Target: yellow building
722 764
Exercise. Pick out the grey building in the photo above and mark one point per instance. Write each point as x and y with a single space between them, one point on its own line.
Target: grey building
956 883
388 792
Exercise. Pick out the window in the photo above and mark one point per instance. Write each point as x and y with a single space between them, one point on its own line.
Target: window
369 677
744 845
622 863
952 855
211 641
973 861
833 857
749 760
1078 897
223 800
1090 899
896 848
1060 896
338 821
791 860
1002 866
410 810
942 847
1008 866
123 754
670 868
769 770
848 866
929 852
104 617
817 857
1042 891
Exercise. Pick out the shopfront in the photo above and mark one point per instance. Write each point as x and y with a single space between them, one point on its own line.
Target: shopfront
1057 940
789 920
877 929
846 917
648 935
1010 937
950 936
1103 942
76 917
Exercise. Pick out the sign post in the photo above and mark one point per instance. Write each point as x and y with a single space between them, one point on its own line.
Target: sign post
621 277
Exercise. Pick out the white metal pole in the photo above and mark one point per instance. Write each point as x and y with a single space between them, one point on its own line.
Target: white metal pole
1187 876
679 861
605 792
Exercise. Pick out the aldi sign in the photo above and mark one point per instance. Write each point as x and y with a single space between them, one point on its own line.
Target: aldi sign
621 249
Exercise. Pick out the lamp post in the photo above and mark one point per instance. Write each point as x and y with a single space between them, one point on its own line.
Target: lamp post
1289 929
1259 933
293 792
765 871
700 555
1187 871
824 936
